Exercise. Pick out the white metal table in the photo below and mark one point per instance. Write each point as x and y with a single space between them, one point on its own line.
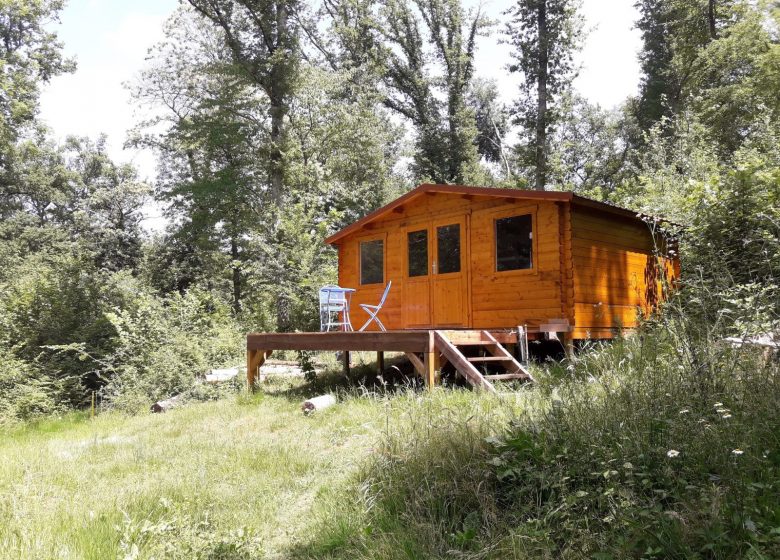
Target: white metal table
335 299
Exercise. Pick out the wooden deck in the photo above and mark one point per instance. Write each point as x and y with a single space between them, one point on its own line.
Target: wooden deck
428 350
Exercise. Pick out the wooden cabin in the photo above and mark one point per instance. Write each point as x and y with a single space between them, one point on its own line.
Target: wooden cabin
494 259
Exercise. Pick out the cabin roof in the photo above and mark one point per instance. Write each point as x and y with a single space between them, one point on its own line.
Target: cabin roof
554 196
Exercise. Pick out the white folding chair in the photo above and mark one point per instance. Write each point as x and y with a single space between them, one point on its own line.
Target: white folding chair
334 302
373 310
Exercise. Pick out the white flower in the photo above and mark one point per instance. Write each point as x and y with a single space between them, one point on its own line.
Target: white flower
684 411
722 410
672 453
726 416
737 452
718 404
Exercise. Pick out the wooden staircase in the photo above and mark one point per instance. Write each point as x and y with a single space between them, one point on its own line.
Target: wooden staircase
450 343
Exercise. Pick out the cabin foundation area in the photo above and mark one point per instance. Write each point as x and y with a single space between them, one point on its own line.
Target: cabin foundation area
427 350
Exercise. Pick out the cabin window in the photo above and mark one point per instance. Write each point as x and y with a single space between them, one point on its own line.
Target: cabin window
372 261
417 243
514 242
448 245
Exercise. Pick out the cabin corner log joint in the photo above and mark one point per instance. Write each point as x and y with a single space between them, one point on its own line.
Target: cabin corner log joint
468 263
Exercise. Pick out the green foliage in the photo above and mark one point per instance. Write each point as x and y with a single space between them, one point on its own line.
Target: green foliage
590 149
544 35
391 41
58 301
30 56
25 394
671 454
164 344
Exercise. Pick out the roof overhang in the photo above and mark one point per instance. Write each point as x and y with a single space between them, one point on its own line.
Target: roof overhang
517 194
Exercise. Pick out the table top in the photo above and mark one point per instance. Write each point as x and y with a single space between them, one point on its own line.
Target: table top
336 289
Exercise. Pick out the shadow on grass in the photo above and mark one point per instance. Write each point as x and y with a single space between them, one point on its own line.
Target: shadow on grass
397 376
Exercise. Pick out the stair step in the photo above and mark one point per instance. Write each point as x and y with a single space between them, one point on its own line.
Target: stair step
506 376
476 343
489 359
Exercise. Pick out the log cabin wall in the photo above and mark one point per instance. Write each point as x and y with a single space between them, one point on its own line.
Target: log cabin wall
478 297
616 275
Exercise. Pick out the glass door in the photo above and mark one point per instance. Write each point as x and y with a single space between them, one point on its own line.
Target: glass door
449 287
417 293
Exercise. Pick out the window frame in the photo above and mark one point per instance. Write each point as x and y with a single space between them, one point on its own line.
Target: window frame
512 213
367 239
428 244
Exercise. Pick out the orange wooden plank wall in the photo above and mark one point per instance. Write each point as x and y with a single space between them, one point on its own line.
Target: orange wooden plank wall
615 272
491 299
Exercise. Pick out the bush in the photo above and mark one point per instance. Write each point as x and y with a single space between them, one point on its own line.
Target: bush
663 445
164 344
24 393
51 302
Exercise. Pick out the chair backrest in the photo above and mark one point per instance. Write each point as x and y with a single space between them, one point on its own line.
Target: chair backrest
330 297
384 295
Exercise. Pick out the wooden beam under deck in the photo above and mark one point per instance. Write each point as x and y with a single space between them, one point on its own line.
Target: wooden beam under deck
389 341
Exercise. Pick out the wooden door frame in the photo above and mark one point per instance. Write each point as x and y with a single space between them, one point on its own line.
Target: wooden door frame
428 223
465 259
417 226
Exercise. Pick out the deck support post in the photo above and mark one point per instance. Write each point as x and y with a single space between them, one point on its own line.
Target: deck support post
346 358
568 345
429 362
250 373
380 363
254 359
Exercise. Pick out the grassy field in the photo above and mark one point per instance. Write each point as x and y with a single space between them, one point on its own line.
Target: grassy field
625 452
237 478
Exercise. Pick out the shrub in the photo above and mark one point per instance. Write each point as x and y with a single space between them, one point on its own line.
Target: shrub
164 344
662 445
24 393
53 302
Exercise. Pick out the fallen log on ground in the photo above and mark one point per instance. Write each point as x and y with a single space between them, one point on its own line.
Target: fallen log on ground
318 403
166 405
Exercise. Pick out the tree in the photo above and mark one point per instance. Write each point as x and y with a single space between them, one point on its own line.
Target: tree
591 148
392 39
209 123
734 86
29 56
263 39
544 34
211 143
673 33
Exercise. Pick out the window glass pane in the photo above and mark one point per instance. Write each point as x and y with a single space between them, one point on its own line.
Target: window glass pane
448 241
372 262
417 242
513 243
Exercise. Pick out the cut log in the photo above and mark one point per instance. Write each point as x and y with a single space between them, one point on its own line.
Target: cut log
318 403
167 404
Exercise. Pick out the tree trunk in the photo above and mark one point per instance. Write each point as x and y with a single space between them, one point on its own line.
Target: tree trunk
541 109
276 172
712 16
236 272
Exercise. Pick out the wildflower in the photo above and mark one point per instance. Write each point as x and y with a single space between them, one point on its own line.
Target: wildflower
726 416
718 405
672 453
684 411
737 452
722 410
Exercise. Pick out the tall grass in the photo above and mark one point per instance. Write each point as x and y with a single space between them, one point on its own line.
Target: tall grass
665 444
